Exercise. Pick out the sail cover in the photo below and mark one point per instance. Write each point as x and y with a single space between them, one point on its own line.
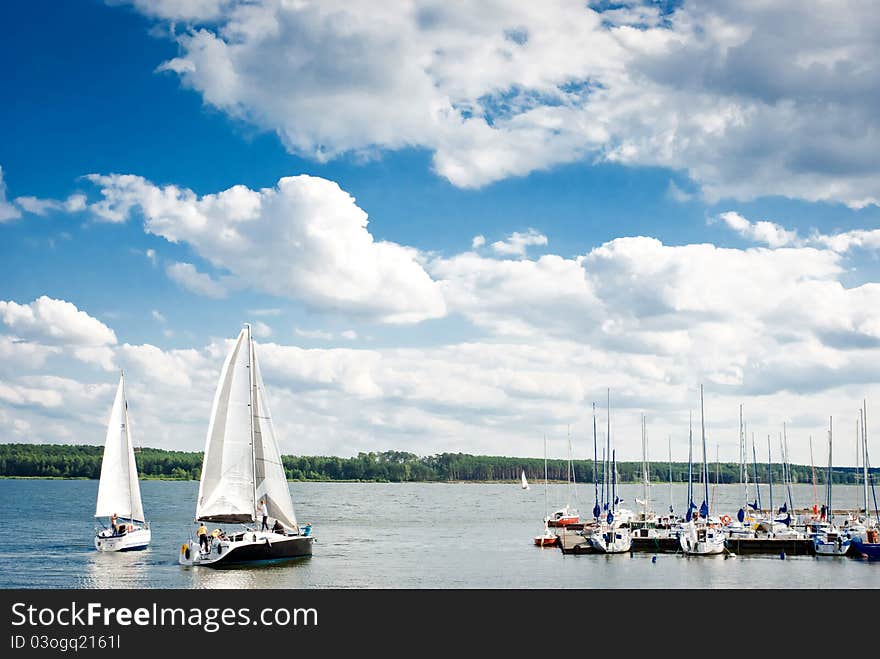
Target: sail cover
226 488
118 489
271 481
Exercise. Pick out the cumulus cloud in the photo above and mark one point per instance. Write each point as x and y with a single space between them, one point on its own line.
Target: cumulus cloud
478 241
749 99
7 210
306 238
774 235
55 321
73 204
517 243
194 281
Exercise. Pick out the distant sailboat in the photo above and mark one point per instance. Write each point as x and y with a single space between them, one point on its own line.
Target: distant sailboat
241 469
119 493
524 482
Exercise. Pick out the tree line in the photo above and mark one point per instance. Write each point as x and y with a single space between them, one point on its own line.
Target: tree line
82 461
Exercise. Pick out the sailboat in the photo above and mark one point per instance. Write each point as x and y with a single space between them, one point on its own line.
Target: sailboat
523 482
866 539
700 538
119 493
611 535
242 469
644 523
567 515
829 540
548 538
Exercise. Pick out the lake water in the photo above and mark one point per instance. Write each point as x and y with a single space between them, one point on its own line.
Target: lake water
389 535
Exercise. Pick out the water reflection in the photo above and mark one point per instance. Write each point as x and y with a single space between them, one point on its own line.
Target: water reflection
285 574
115 569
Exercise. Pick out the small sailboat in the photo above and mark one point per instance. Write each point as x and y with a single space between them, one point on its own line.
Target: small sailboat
566 515
119 493
699 537
547 538
243 480
523 482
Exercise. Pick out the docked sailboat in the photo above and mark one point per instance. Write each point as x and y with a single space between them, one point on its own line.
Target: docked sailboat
698 537
119 493
611 535
548 538
241 471
828 539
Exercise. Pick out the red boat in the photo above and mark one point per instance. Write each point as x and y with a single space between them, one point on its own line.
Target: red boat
548 539
562 517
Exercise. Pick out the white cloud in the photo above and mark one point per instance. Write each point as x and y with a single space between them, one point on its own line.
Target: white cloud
157 316
478 241
261 330
749 99
305 238
517 243
351 335
264 312
775 235
7 210
763 231
55 321
314 334
194 281
151 255
677 194
73 204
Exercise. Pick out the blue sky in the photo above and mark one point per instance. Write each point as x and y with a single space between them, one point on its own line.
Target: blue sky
699 216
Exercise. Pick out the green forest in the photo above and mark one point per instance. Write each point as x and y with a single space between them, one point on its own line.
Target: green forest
80 461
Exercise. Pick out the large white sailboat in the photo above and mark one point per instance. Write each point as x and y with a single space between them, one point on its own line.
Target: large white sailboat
119 493
242 468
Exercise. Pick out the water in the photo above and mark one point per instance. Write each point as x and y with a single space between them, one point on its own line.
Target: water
389 535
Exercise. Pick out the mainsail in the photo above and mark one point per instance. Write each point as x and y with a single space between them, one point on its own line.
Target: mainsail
242 462
118 489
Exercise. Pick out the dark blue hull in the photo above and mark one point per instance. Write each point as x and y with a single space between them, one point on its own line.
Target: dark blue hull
867 549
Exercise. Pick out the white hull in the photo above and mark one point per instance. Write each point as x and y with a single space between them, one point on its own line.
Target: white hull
833 544
612 541
701 541
138 538
247 547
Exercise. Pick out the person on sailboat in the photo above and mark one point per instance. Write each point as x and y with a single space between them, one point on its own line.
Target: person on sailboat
113 524
202 532
264 513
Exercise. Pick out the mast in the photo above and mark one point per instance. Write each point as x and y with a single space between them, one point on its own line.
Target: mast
787 468
253 410
690 490
755 464
670 473
828 483
813 469
770 480
645 475
128 446
705 464
742 456
608 445
864 416
546 513
596 509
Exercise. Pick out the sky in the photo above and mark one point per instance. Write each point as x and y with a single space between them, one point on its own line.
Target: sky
453 227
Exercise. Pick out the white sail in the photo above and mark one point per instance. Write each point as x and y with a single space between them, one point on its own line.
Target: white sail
524 482
270 477
118 490
226 487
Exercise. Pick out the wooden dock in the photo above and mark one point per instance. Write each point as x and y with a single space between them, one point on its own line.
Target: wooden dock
573 541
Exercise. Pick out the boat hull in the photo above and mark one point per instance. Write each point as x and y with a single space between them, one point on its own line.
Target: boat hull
546 540
251 548
611 542
866 549
134 540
